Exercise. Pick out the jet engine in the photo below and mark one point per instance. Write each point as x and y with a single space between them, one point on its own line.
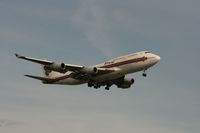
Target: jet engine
126 83
89 70
57 67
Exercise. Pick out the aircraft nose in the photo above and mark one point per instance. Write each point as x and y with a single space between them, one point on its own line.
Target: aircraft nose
157 58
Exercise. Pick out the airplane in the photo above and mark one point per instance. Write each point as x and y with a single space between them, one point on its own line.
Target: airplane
111 72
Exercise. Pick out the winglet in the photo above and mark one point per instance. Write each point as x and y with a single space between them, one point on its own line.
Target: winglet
18 56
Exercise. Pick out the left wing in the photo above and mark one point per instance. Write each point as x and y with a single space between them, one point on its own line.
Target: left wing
39 61
63 68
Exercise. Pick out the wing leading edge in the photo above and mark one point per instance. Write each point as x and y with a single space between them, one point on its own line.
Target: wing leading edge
39 61
62 67
68 67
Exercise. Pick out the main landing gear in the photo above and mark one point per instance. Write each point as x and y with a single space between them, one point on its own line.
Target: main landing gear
107 87
98 85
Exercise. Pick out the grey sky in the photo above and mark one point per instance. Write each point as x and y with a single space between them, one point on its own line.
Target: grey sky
89 32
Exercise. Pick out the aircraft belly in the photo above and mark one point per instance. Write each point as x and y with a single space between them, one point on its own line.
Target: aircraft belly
123 70
70 81
109 76
106 73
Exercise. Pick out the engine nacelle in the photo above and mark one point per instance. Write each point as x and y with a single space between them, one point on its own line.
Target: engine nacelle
57 67
126 83
89 70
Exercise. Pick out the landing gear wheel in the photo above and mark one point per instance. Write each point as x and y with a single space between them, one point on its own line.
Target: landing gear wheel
107 88
89 85
97 86
144 74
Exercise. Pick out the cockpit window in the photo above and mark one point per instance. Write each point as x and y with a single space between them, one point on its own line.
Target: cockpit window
147 52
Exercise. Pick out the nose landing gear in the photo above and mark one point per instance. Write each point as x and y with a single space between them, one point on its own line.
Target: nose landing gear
144 73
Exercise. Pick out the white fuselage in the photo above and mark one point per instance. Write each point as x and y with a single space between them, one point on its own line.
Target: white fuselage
123 65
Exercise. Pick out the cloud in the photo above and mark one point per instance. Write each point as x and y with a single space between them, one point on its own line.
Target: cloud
7 122
91 19
165 103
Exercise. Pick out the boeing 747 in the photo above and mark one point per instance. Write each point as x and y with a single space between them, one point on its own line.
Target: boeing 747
111 72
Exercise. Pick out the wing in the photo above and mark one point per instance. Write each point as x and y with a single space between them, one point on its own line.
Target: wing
52 65
78 70
39 61
71 67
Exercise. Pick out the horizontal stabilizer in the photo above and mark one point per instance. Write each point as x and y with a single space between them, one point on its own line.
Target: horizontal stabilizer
43 79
